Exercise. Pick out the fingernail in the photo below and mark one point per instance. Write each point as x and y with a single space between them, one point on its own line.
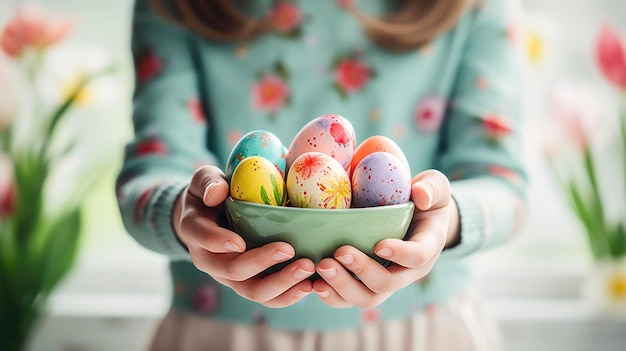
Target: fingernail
384 252
230 246
280 256
207 189
429 193
329 273
300 273
322 293
300 293
346 259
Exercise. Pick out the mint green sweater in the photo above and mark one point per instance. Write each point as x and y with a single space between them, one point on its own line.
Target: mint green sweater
453 105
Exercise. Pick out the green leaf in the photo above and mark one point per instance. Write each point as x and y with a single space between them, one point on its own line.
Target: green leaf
61 249
264 196
618 241
277 194
281 70
596 239
597 204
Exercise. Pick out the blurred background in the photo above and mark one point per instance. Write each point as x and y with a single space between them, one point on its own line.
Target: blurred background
540 287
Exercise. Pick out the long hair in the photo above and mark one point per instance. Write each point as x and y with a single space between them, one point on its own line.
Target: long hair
409 26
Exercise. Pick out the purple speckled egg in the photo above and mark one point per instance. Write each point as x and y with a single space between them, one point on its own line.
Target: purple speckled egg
330 134
380 179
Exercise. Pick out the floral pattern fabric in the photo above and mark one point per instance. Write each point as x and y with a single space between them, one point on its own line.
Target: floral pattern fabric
450 105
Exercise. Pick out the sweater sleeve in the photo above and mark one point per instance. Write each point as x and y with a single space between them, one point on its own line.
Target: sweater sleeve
170 131
482 148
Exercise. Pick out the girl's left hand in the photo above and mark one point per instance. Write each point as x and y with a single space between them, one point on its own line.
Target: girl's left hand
435 225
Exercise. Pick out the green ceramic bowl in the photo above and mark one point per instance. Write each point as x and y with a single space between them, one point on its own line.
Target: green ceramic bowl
316 233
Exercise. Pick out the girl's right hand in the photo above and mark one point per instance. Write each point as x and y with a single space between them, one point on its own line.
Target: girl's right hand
222 253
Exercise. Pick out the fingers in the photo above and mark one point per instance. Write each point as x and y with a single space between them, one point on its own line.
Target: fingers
240 267
200 228
280 289
340 289
414 253
208 184
285 286
430 190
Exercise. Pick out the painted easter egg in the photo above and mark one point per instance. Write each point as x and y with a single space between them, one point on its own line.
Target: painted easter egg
329 134
378 143
256 179
380 179
258 143
316 180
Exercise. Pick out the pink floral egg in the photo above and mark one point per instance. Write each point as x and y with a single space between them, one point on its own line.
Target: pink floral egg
316 180
380 179
329 134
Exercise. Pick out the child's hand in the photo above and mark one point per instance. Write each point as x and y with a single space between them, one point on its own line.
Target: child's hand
221 253
434 225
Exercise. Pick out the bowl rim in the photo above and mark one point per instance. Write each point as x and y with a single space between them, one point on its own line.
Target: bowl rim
352 210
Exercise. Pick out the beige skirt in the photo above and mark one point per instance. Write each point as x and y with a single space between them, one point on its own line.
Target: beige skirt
461 324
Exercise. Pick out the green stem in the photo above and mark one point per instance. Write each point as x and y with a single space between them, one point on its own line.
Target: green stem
58 114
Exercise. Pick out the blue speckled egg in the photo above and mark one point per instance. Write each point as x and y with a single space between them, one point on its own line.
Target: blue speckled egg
380 179
258 143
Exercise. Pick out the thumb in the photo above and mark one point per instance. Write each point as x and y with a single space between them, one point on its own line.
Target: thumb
208 184
430 190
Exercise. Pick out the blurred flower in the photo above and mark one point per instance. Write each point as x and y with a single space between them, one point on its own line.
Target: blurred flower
495 127
571 106
32 28
46 85
429 113
67 65
286 16
578 148
8 188
611 57
535 47
345 4
351 74
8 104
270 93
147 65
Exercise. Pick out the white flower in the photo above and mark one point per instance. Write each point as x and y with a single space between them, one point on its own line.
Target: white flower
66 65
8 95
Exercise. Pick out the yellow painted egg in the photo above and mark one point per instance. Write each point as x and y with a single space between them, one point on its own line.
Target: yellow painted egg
256 179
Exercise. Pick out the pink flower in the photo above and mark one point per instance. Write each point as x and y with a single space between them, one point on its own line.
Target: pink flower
429 114
270 93
351 75
505 173
8 188
345 4
206 298
310 165
194 105
611 57
573 109
31 28
370 315
150 147
147 66
142 204
286 16
495 127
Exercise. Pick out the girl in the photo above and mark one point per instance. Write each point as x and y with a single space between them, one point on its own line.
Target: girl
438 76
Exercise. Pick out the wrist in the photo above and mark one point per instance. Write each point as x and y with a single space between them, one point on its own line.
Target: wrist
454 227
176 216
